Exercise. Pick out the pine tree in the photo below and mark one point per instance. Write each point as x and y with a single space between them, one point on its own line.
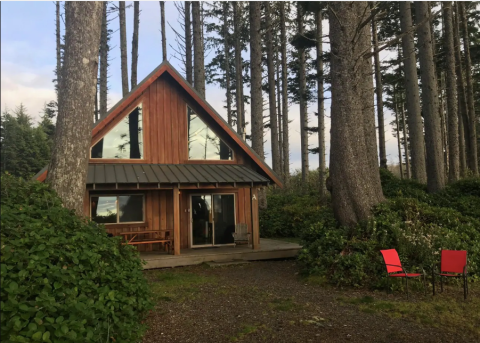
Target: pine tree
104 50
188 43
164 34
433 136
271 89
283 43
453 147
123 47
239 99
414 119
198 50
67 171
321 104
354 178
136 23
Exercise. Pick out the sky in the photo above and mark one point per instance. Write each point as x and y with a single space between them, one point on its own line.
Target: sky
28 60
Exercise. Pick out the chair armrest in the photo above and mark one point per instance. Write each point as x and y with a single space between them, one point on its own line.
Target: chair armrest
394 265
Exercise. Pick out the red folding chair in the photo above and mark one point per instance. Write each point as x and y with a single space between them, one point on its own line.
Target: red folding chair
393 264
453 261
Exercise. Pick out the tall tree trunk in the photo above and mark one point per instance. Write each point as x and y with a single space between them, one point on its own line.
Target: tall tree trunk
279 110
472 159
198 58
104 62
463 128
136 22
399 144
271 90
321 104
302 90
188 43
67 171
414 118
238 70
95 111
58 71
433 134
379 92
405 140
443 121
123 47
256 87
226 47
286 146
164 33
354 179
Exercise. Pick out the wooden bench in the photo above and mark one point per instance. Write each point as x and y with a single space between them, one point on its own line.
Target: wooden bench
166 241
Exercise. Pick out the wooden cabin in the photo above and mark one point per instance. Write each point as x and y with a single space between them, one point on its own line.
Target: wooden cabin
162 159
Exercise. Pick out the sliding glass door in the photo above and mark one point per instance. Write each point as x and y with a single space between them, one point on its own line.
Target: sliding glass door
213 219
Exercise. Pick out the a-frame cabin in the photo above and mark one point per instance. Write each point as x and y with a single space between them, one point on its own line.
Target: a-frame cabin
163 159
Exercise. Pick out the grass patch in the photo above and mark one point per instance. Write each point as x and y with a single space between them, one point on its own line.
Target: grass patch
177 285
284 304
441 311
246 330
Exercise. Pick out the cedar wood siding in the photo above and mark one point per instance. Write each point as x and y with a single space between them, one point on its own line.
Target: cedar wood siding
165 141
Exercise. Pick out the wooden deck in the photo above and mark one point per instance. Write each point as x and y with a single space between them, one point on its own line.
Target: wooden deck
269 249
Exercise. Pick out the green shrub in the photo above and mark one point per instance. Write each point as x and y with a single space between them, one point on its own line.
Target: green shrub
62 278
419 225
351 256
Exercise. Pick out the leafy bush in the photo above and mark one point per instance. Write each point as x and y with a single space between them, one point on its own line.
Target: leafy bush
351 256
62 278
292 208
419 225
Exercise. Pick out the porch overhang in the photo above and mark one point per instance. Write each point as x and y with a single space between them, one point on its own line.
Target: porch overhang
170 176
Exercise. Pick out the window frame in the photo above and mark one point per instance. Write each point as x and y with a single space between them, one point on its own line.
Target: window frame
118 210
203 121
130 109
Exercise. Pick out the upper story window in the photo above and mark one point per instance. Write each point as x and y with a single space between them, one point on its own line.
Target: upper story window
124 141
203 143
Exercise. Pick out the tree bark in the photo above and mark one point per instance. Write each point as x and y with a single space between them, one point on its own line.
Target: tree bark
399 144
414 118
256 87
463 129
256 78
405 141
433 135
379 93
136 22
188 43
472 159
238 70
279 110
104 63
271 90
198 58
164 33
226 47
59 44
123 47
285 147
321 105
354 180
67 171
451 83
302 94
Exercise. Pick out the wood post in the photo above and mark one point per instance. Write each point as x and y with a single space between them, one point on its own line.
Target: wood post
255 219
176 221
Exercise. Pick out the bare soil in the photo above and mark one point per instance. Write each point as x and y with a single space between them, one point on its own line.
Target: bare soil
271 302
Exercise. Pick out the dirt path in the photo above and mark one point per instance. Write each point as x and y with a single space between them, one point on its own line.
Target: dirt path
269 302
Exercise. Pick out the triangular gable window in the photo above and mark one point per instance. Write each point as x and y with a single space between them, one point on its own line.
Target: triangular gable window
124 141
203 143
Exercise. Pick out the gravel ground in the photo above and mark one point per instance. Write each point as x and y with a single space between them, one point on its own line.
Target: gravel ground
269 302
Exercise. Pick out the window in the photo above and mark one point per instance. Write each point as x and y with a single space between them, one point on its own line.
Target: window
112 209
203 143
125 140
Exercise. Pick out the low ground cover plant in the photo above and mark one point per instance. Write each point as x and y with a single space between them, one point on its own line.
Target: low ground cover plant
419 225
62 278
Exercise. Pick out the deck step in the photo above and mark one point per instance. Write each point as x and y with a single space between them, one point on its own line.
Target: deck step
215 264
